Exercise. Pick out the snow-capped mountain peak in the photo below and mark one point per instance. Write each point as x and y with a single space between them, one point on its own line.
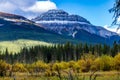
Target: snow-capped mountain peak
64 23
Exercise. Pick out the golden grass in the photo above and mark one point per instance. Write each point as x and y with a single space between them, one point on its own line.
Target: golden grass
111 75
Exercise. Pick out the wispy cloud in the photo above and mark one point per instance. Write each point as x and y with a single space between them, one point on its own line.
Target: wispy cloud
27 8
7 6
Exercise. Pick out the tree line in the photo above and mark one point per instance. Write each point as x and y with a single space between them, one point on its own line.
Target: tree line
59 52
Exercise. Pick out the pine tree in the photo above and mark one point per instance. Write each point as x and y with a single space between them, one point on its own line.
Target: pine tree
116 11
114 50
86 48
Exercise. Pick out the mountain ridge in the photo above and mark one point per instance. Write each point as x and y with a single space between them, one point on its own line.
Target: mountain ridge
17 28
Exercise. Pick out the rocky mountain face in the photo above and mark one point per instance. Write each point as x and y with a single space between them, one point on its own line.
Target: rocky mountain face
63 23
59 15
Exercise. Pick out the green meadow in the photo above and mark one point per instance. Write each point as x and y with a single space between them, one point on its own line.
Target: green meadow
17 45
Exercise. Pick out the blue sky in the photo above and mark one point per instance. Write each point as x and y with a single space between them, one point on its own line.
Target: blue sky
96 11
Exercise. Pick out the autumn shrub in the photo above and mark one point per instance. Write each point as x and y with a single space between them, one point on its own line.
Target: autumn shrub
81 64
104 63
39 66
57 66
19 67
50 70
29 68
117 61
64 65
4 67
86 62
72 64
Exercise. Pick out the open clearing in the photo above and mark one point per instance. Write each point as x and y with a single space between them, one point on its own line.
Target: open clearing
15 46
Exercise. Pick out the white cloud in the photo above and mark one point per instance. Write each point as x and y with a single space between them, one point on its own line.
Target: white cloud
41 6
112 28
27 8
109 28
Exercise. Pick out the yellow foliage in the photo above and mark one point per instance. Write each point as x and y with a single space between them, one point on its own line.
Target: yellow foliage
4 66
117 61
29 68
18 67
61 65
103 63
72 64
39 66
81 64
64 65
56 66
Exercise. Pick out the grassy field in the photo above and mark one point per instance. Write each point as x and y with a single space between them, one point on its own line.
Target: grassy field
112 75
15 46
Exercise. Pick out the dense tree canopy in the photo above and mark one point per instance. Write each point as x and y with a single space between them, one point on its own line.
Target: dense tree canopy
59 52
